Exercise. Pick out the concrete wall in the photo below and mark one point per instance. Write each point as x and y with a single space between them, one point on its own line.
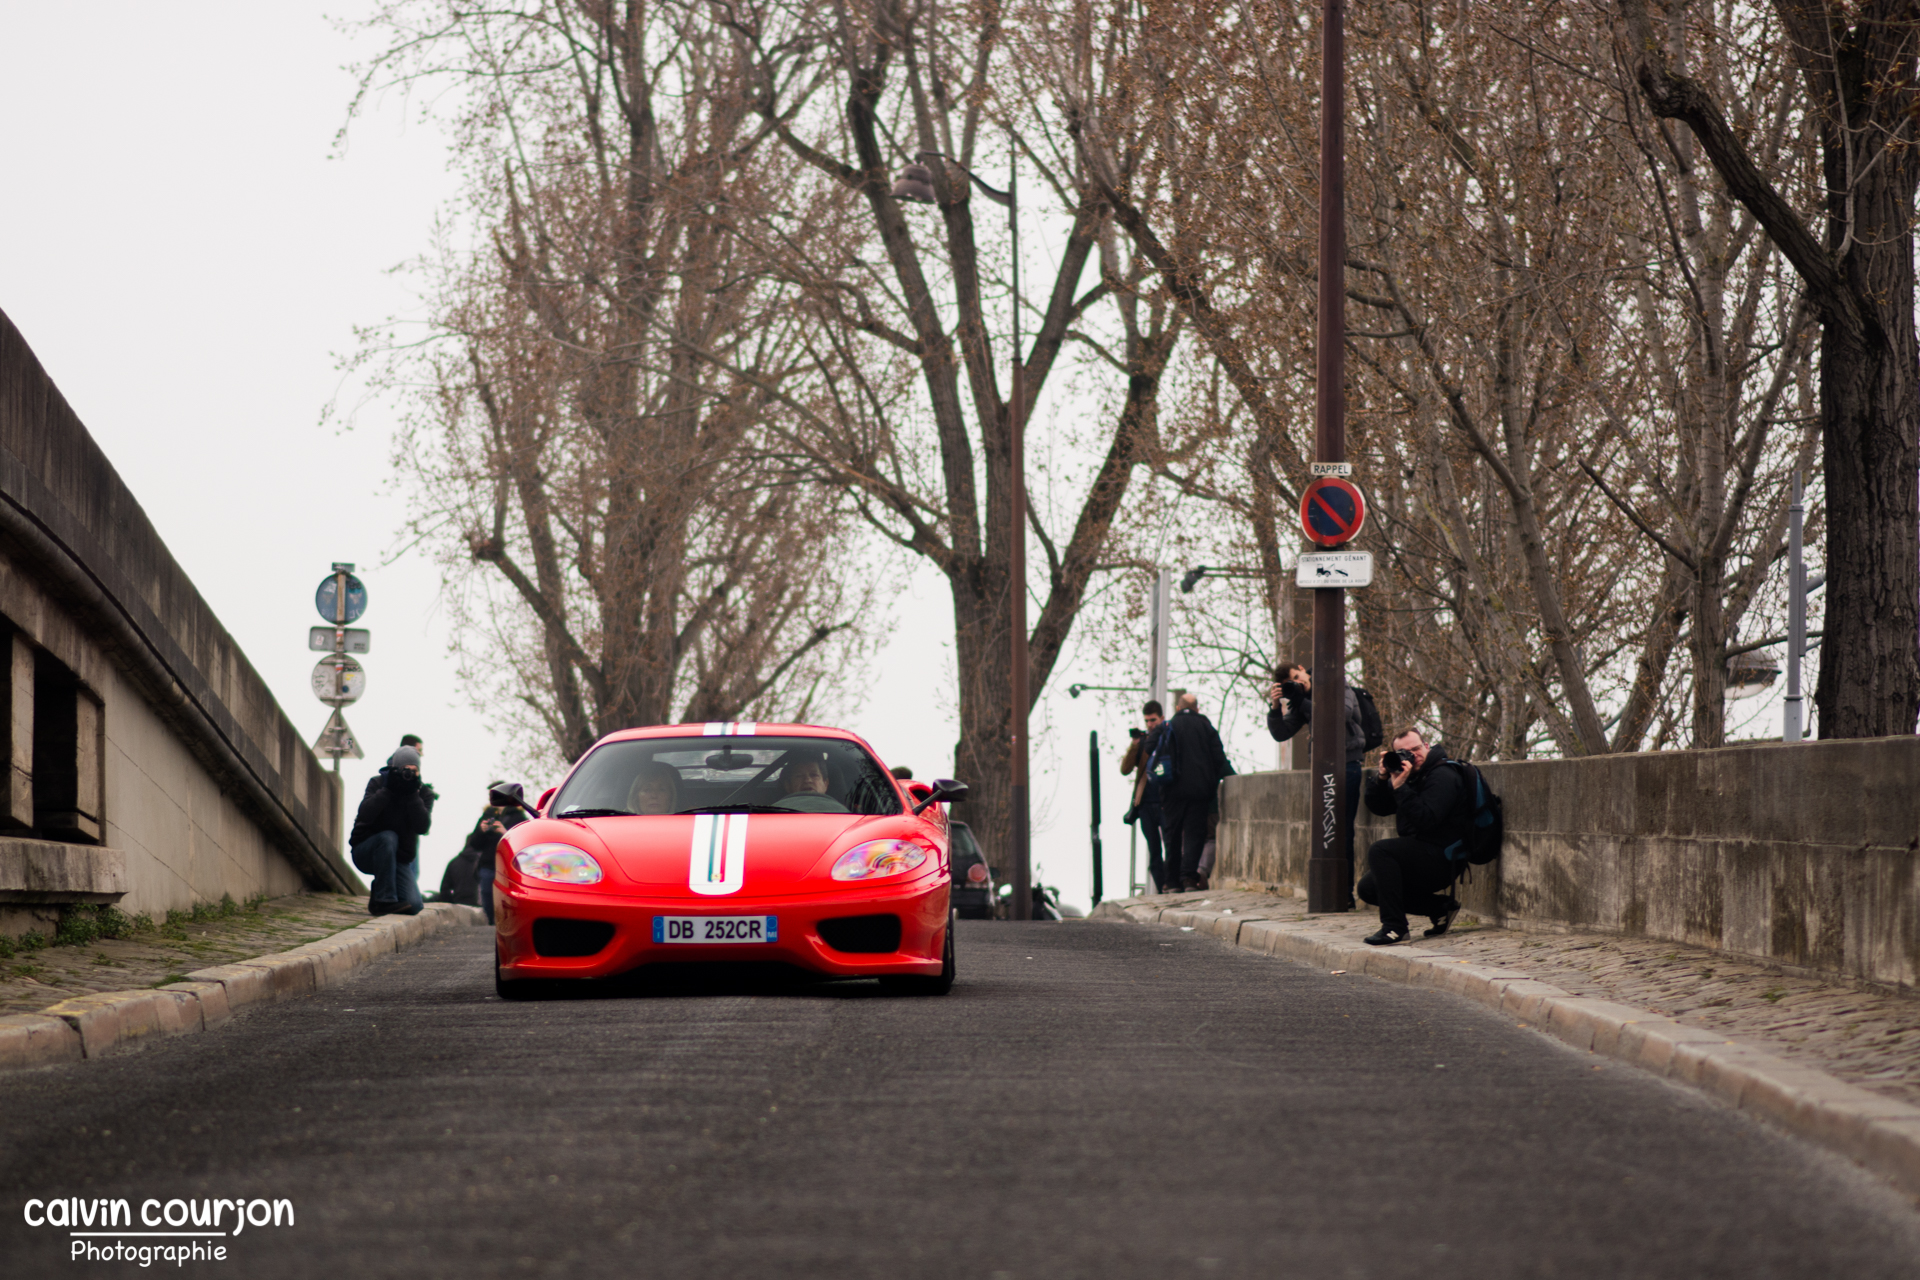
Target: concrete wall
204 786
1805 855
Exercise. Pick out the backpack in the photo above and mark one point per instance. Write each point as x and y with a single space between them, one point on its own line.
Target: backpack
1486 825
1160 770
1369 718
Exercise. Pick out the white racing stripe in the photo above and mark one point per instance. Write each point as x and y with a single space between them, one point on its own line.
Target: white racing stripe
717 862
729 728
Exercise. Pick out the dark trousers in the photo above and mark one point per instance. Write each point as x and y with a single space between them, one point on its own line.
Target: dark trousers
1407 876
396 884
1149 817
1185 831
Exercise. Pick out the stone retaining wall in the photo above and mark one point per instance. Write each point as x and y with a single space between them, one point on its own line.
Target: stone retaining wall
1807 855
146 761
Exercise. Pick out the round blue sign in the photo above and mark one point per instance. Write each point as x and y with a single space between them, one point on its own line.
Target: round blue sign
324 599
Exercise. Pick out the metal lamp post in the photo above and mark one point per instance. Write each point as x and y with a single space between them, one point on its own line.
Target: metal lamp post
915 185
1792 727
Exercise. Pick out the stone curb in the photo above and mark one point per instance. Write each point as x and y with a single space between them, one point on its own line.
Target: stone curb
90 1026
1882 1134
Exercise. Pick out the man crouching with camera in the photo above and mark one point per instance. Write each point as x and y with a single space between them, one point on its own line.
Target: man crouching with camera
1411 873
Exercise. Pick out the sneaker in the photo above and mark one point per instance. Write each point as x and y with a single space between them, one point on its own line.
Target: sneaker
383 906
1443 923
1386 937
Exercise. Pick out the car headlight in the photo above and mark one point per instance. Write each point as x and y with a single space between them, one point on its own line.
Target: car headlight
877 859
560 863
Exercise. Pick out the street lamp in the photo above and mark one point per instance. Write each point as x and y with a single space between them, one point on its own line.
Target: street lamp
915 186
1075 690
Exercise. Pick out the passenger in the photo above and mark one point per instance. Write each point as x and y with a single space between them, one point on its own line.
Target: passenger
655 790
804 775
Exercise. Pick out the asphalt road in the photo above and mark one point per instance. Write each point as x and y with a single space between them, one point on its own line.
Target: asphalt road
1093 1099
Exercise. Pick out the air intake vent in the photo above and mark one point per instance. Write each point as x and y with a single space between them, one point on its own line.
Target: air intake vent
571 937
862 933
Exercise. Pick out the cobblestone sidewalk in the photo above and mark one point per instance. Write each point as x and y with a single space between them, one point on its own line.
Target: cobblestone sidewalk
32 979
1867 1038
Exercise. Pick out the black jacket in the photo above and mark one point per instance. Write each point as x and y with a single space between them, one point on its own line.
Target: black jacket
1431 805
394 805
1199 761
1146 792
1282 725
461 883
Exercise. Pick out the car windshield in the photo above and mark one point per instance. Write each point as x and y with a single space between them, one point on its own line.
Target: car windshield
648 776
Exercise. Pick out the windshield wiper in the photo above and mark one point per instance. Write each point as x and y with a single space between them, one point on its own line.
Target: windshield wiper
739 808
597 813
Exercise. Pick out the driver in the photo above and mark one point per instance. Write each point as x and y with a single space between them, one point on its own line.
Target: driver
804 776
655 790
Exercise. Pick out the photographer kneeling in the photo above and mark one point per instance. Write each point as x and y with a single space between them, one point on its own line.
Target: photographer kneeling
1412 872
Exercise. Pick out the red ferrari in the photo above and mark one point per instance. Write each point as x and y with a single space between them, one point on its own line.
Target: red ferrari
728 842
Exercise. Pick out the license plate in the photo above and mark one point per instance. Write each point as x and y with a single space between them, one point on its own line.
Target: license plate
706 930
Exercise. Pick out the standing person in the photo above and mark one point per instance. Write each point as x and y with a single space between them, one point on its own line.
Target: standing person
506 809
1290 709
1146 794
385 840
1199 762
1411 872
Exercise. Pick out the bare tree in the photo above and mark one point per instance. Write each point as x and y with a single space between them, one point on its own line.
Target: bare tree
1518 244
659 559
893 294
1858 99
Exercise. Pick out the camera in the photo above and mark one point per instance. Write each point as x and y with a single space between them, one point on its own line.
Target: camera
1292 690
1394 761
1135 734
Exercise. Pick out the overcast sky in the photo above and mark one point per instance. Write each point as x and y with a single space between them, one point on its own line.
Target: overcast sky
188 256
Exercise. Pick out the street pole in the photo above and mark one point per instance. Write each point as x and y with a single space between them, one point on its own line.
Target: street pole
1017 571
1326 868
1160 622
1093 781
339 668
1791 730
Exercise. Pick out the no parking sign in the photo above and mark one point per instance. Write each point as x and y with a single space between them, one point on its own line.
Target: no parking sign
1332 511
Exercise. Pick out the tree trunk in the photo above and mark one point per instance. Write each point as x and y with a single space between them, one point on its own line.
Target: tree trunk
1869 676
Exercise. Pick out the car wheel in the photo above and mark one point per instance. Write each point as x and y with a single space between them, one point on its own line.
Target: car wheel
515 989
914 984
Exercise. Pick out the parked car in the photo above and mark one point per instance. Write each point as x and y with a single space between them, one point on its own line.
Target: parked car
973 888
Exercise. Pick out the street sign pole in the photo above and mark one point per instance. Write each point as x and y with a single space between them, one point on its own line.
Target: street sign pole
1093 778
1326 867
341 598
1161 623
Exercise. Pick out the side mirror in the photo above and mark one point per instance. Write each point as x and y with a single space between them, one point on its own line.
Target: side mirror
540 805
943 789
919 790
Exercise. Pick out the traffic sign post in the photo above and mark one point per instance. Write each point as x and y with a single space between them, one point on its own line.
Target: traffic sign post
1327 870
338 680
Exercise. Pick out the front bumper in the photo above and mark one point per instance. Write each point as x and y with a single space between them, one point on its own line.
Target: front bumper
922 908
